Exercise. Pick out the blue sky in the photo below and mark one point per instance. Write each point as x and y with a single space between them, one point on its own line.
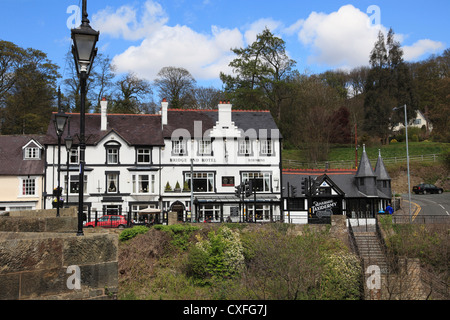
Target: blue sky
142 36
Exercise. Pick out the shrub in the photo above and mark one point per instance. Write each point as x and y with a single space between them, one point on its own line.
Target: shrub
128 234
180 234
341 277
217 257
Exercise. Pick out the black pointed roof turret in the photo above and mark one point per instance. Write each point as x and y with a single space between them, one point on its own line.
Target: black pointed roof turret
380 169
364 168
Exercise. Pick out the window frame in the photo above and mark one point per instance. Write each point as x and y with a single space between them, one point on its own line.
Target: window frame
179 147
205 147
265 176
210 180
266 147
32 153
24 187
143 152
108 176
136 181
245 147
73 182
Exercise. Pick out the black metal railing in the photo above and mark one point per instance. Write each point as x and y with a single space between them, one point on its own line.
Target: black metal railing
421 219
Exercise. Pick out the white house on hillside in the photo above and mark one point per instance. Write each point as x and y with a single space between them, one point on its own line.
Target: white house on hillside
418 122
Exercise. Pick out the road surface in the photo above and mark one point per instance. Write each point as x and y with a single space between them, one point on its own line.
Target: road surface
428 207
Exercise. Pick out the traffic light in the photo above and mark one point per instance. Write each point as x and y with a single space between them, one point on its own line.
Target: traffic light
238 191
293 191
248 188
312 186
304 186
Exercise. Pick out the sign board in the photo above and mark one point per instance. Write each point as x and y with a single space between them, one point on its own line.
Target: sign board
321 209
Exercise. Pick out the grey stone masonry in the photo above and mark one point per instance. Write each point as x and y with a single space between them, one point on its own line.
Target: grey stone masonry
41 257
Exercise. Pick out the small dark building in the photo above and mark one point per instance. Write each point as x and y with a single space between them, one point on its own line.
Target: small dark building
312 196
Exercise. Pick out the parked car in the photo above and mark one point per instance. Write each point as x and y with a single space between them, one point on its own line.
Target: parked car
425 188
108 221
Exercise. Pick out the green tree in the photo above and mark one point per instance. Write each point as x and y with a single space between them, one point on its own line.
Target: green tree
11 58
432 83
388 85
260 74
30 100
175 85
98 85
131 93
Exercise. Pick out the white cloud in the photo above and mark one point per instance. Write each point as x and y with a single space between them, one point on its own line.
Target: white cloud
344 38
420 48
340 39
258 26
204 56
127 24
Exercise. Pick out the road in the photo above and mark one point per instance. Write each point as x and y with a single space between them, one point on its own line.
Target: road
429 207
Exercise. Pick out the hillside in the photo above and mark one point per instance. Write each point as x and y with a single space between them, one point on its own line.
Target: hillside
434 172
238 262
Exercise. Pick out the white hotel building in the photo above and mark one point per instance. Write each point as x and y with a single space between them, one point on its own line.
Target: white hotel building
184 161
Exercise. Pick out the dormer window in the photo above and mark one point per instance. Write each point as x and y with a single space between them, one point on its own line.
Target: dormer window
266 147
112 152
204 147
112 155
179 147
245 147
32 153
32 150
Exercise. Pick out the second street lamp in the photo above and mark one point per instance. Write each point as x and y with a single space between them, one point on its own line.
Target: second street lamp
84 52
68 141
60 124
407 159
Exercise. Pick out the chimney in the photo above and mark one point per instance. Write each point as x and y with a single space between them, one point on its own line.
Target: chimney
104 117
225 114
164 106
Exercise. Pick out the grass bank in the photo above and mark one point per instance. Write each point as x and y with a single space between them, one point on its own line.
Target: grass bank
347 152
237 262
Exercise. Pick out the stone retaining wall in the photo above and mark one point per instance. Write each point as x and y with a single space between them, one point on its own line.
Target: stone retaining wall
41 257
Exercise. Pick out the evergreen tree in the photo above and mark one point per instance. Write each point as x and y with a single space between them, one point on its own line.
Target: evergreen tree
30 101
260 75
388 85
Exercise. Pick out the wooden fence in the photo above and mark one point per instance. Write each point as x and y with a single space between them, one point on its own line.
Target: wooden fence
350 164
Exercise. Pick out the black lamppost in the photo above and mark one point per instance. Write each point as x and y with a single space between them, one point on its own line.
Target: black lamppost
84 51
68 142
407 159
60 124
